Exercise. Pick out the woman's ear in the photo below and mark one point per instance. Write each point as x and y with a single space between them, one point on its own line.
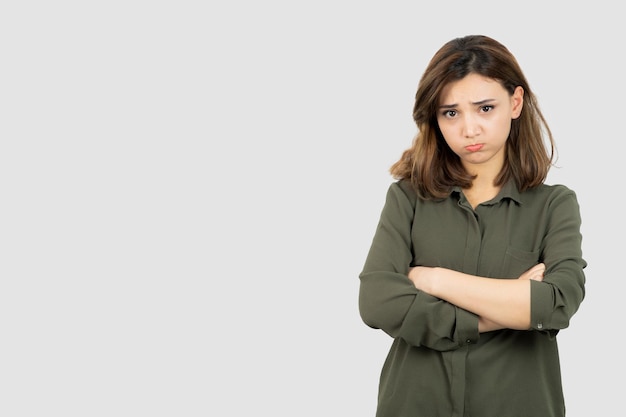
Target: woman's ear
517 101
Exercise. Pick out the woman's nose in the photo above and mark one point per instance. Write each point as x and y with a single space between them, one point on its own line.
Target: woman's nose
471 127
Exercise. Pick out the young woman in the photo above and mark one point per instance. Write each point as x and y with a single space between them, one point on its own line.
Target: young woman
476 263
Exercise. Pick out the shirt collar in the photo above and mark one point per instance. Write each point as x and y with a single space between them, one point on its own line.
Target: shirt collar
509 190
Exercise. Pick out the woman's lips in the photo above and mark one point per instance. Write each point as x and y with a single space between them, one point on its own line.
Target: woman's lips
474 148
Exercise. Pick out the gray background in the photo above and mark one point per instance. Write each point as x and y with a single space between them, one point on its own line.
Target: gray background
189 192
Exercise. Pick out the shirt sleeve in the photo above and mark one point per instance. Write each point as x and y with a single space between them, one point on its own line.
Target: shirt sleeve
388 300
557 298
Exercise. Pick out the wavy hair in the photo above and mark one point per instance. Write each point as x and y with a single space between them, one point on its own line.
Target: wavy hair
431 166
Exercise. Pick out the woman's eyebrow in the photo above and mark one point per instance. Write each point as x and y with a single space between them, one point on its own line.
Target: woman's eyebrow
475 103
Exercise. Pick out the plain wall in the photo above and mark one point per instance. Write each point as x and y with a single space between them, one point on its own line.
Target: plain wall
189 192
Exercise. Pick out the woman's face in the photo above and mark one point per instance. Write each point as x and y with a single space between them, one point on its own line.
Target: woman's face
474 116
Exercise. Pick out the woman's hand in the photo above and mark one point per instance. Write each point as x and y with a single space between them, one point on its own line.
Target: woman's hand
420 276
535 273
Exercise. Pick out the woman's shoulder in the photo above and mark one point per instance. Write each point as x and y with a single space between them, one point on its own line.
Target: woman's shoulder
403 188
548 192
555 189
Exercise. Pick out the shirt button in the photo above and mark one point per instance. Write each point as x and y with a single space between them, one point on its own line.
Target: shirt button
540 325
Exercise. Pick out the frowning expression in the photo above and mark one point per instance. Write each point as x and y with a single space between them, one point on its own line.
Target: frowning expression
474 116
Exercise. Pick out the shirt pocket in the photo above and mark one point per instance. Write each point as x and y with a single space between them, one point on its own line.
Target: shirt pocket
518 261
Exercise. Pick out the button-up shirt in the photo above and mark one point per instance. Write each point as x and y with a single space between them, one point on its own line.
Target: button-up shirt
439 365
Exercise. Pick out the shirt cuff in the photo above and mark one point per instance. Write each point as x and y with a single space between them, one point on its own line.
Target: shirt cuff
466 331
541 301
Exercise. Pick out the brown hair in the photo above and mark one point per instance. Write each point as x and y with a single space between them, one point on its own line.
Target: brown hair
430 164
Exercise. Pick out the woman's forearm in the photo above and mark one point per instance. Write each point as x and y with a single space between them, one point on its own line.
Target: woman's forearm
485 325
500 303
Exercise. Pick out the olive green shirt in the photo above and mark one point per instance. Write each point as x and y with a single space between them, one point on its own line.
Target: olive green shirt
439 365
